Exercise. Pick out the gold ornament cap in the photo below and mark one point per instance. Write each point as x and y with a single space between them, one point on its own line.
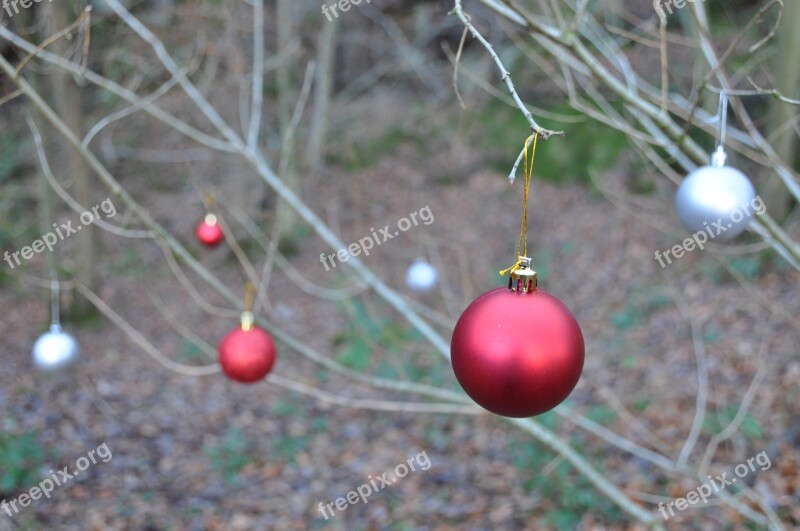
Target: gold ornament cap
522 277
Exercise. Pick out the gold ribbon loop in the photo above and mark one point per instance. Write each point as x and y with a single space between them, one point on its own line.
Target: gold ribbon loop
522 243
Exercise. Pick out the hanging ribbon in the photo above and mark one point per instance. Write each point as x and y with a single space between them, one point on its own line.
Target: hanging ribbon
522 243
247 315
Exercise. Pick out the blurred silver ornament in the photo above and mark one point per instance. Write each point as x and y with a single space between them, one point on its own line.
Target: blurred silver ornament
55 350
421 276
716 199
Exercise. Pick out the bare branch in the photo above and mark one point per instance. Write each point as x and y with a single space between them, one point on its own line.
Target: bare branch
258 73
544 134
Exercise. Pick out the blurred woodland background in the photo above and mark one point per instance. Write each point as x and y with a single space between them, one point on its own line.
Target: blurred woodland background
305 132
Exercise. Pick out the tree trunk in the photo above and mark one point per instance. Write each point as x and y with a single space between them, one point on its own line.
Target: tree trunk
66 96
786 69
286 217
318 131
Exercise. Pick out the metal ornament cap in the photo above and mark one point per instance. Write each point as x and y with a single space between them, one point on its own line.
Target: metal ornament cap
55 350
517 354
715 199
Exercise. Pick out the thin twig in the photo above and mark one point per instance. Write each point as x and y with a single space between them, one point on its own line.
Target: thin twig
702 378
456 64
579 13
600 481
66 197
258 73
741 413
6 99
764 92
375 405
664 64
544 134
127 111
122 92
616 440
179 327
51 39
139 339
289 141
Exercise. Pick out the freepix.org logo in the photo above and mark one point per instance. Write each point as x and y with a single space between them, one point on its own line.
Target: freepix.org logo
363 245
8 5
60 233
662 7
57 478
715 485
375 484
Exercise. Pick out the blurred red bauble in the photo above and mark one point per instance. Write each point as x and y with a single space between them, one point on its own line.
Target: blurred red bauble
247 355
517 353
209 232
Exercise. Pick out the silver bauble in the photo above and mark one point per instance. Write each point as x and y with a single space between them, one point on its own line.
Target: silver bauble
421 276
55 350
716 199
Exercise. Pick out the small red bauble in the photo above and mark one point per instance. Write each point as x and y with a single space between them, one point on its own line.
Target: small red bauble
208 232
517 353
247 355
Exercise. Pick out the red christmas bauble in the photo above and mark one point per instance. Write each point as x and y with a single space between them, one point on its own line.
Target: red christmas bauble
208 231
247 355
517 354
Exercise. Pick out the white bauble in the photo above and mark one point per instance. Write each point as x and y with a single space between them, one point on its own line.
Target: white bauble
55 350
421 276
716 199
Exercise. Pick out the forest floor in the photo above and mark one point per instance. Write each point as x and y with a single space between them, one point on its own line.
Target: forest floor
206 453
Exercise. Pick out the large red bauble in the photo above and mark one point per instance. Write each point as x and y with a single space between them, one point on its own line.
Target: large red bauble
247 355
209 234
517 354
